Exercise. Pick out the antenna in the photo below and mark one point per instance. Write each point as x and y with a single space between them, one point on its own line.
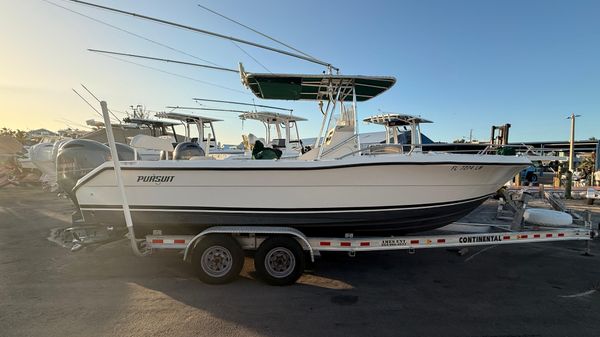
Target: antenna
162 59
203 31
242 103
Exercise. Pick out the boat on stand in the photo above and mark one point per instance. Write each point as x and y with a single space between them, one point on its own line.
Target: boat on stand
359 191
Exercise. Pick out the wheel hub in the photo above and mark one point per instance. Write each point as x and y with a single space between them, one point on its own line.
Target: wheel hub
280 262
217 261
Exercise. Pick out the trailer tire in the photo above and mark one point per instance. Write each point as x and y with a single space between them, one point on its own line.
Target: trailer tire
218 259
279 261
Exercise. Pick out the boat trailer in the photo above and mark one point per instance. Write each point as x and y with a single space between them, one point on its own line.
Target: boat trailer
218 252
284 262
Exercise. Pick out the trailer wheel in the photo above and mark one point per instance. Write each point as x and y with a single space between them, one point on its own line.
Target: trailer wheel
218 259
279 261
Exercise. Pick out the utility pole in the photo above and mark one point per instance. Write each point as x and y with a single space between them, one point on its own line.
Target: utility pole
572 141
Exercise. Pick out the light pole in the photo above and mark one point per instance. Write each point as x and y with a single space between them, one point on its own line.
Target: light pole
572 141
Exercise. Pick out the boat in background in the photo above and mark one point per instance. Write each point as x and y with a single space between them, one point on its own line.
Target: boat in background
285 126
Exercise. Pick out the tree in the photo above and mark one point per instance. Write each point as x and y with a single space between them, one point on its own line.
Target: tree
19 135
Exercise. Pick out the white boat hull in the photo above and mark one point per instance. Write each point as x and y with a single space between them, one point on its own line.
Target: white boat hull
359 194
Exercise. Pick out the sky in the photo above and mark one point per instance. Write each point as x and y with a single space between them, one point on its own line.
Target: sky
466 65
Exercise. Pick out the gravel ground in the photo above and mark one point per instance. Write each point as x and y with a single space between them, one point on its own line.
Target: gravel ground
517 290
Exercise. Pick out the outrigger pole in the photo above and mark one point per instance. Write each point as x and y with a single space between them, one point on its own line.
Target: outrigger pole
163 60
203 109
202 31
241 103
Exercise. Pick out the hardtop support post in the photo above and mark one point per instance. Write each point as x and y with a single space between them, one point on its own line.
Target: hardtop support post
355 116
337 95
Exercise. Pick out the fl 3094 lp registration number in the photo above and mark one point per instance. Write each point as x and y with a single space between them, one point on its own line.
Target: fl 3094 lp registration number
466 167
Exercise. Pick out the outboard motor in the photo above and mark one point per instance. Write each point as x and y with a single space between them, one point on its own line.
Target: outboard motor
125 152
56 147
77 158
187 150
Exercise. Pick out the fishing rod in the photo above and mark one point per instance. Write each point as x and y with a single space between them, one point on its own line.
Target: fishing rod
163 60
242 103
206 32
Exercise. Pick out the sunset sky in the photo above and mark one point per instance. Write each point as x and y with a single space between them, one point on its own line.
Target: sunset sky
463 64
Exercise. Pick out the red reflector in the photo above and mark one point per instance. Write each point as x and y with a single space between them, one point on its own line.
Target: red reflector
536 235
325 243
345 244
441 240
157 241
506 237
414 241
363 244
549 235
179 241
561 234
524 236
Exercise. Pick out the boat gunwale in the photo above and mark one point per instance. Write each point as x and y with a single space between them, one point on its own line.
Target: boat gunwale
333 164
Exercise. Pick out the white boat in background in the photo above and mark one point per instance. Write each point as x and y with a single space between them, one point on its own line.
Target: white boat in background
205 129
397 125
286 137
353 190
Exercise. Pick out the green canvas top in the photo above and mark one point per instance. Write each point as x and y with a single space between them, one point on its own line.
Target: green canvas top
314 87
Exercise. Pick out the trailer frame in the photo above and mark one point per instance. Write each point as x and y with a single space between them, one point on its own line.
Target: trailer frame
252 238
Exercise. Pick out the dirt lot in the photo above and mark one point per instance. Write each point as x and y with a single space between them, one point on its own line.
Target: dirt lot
45 290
